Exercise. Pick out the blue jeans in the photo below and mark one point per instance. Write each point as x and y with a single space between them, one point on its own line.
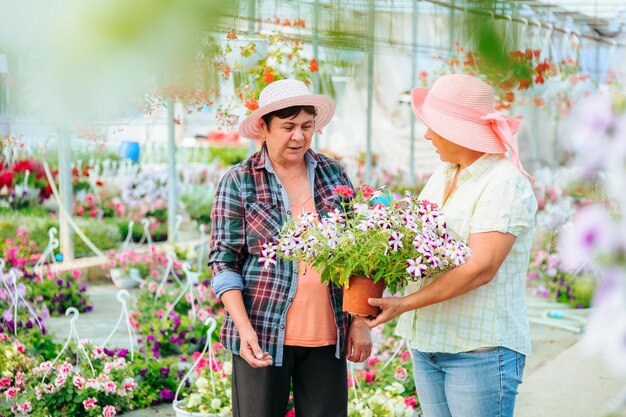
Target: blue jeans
480 383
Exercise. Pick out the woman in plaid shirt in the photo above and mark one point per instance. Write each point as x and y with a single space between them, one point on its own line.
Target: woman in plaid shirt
285 328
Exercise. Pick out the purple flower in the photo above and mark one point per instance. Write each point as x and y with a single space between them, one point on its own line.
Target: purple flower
164 371
7 315
592 233
150 338
60 282
166 395
123 353
143 372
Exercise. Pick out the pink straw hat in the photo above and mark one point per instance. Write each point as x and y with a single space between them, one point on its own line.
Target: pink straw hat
287 93
461 108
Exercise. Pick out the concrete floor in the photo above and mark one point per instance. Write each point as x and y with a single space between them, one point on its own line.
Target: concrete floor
558 380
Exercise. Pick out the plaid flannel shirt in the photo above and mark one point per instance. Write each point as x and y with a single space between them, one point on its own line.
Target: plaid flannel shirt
249 209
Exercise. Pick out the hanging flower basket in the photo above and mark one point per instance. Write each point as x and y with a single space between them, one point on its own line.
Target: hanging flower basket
356 294
182 413
125 279
245 52
26 192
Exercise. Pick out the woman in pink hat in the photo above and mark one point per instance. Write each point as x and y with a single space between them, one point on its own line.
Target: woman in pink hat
468 328
285 328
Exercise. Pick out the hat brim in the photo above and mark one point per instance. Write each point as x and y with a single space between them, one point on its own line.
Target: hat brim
475 136
324 107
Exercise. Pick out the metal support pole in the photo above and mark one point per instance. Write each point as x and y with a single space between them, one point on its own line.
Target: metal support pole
316 75
451 27
66 238
172 178
413 78
370 89
251 22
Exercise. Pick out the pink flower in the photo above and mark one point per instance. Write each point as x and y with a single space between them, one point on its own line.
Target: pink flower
90 403
11 393
410 402
5 382
109 387
405 355
98 352
344 191
78 382
25 407
76 273
60 380
109 411
367 191
373 361
65 368
3 337
401 374
129 384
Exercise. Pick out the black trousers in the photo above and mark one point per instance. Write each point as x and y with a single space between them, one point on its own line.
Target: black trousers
320 387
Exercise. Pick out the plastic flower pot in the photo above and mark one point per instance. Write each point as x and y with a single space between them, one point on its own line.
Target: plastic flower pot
125 280
355 296
26 192
183 413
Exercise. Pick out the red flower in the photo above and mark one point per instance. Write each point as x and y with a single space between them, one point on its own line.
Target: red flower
539 79
251 105
367 191
410 402
313 65
344 191
6 178
268 77
510 97
99 183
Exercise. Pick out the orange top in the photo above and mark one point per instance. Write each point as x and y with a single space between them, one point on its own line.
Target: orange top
310 319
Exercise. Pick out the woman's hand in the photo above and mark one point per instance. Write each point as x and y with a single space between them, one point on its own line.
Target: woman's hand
391 307
251 351
359 346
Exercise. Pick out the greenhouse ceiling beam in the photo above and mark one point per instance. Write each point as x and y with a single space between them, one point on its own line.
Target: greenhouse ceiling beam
596 38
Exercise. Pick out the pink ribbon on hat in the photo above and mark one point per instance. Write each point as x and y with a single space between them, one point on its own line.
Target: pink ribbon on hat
502 125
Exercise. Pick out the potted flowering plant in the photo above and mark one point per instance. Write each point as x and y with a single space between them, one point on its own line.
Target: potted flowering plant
371 243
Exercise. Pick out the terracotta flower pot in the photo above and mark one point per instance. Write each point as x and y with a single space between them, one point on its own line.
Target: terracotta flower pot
356 295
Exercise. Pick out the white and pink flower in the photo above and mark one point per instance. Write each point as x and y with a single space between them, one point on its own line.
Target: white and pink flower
90 403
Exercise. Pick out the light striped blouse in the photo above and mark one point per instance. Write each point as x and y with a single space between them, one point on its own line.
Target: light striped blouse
491 195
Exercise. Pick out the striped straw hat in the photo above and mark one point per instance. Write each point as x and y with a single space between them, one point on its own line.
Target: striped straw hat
287 93
461 108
